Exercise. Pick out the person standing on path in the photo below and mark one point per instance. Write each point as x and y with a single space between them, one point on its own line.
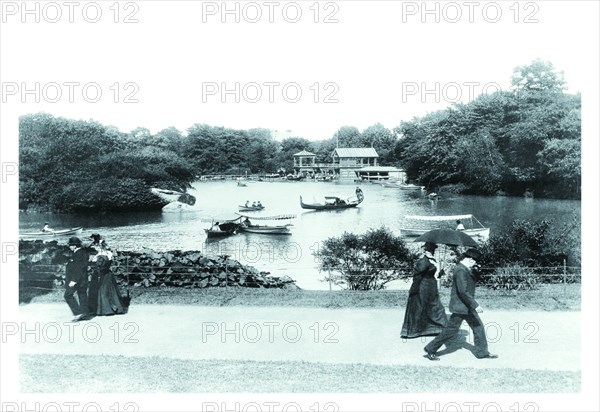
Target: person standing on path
425 315
76 280
463 307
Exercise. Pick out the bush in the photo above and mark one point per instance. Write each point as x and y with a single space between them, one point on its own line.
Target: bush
513 277
365 262
532 244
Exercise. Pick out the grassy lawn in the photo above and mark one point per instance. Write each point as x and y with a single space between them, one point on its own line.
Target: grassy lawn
548 297
105 374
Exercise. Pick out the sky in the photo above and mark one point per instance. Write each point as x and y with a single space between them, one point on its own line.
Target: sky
306 67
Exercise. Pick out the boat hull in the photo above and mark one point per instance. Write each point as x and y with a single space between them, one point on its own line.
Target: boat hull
266 230
210 233
311 206
345 204
250 208
51 235
481 233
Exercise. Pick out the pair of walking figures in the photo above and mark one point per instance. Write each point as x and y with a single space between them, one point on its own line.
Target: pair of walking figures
425 315
98 294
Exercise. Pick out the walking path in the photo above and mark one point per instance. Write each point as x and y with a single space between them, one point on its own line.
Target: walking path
522 339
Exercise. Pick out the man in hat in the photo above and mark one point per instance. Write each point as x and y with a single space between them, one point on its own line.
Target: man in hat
76 280
463 307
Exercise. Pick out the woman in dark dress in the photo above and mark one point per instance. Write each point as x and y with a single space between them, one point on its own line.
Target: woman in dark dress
106 295
110 301
425 315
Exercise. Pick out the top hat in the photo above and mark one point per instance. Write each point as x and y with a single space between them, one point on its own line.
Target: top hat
473 254
74 241
430 246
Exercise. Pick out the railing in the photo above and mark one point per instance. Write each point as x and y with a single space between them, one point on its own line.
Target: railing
123 271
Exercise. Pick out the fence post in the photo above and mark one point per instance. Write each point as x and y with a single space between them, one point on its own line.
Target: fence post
564 271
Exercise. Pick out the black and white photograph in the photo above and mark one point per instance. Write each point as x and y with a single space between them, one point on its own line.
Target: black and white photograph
303 205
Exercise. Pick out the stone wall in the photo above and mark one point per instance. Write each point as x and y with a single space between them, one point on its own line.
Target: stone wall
42 264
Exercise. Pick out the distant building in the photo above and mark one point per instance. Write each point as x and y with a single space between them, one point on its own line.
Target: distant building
304 162
347 163
377 173
355 157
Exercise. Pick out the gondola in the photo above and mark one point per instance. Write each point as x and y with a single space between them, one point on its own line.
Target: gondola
334 202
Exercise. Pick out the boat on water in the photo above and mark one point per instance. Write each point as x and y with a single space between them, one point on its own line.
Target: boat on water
402 186
223 229
410 187
250 208
334 202
174 201
417 225
51 234
267 229
247 226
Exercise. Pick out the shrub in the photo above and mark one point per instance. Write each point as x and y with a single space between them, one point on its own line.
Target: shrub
365 262
532 244
513 277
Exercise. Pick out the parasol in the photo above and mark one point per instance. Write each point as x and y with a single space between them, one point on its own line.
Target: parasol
448 237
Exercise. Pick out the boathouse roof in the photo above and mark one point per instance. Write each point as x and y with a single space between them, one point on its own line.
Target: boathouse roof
304 153
356 152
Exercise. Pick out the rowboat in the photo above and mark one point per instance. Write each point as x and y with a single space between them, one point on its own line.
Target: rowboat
227 228
334 202
417 225
267 230
411 187
247 226
50 235
402 186
250 208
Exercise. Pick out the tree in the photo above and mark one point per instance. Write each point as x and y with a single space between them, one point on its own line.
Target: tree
347 136
72 165
480 163
538 76
290 146
560 163
380 138
365 262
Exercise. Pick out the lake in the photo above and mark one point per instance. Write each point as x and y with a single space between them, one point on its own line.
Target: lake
292 254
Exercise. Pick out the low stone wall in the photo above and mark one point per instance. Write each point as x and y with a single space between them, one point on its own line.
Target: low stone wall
42 264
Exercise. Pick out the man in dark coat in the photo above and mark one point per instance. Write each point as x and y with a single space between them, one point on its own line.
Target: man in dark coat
76 280
463 307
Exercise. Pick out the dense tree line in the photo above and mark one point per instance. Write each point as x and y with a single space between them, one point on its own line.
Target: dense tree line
524 140
73 165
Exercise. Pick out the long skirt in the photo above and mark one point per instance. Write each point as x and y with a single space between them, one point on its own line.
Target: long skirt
425 315
110 300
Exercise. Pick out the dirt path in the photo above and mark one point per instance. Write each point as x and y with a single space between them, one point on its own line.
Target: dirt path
524 340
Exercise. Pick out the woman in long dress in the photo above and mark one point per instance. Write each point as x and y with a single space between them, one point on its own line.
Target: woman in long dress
425 315
105 294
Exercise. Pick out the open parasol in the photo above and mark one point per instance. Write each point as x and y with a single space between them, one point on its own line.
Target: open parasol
448 237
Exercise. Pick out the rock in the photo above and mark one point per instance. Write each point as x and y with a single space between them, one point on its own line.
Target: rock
150 268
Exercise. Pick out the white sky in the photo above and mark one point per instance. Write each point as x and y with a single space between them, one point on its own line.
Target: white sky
365 59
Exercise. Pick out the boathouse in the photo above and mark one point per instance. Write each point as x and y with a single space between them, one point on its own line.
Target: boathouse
304 161
361 163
